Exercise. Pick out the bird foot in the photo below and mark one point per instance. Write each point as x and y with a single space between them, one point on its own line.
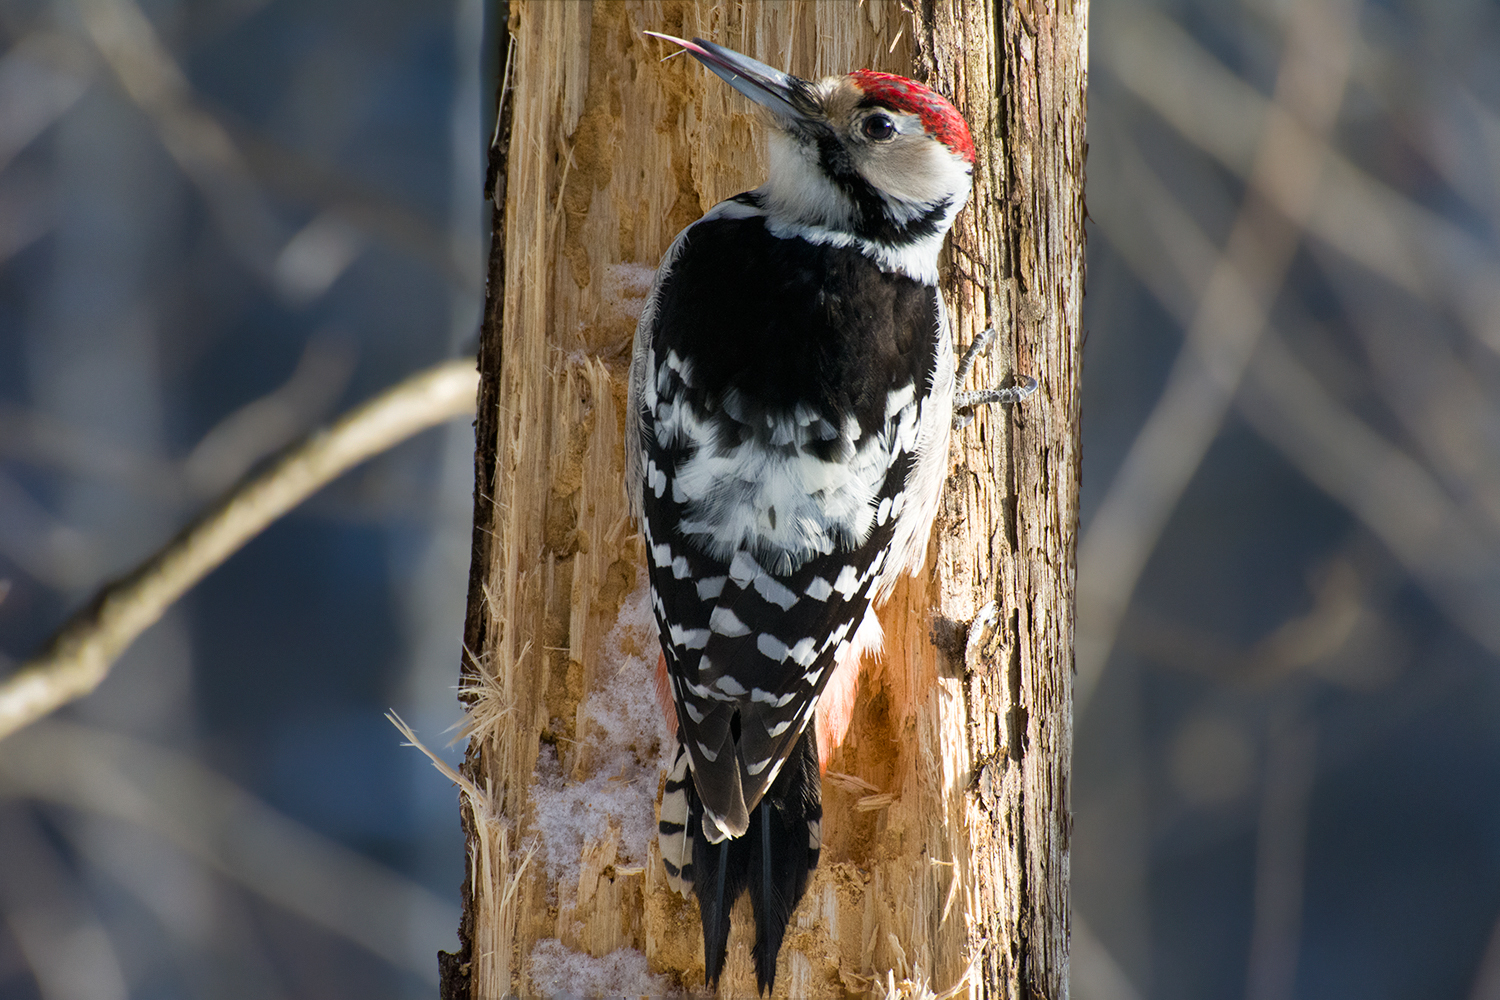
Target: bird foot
965 403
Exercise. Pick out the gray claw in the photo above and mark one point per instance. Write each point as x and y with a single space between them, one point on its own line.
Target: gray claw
979 346
965 403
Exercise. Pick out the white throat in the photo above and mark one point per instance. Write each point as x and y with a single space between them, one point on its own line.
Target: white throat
798 192
800 201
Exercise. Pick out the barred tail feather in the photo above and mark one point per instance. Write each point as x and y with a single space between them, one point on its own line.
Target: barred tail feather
676 826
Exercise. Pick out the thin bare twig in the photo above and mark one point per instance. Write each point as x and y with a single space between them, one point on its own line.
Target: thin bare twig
80 654
41 77
53 919
258 429
231 164
269 423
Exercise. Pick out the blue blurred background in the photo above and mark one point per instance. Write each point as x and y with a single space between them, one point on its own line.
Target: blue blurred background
1288 702
222 222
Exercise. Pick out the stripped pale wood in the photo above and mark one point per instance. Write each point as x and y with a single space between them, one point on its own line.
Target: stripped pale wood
945 855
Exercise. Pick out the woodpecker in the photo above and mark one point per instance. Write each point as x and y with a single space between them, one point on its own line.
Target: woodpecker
792 391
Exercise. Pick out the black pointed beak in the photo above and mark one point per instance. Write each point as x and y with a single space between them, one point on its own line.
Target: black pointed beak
786 96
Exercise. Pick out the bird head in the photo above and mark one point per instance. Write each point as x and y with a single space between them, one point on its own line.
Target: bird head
874 156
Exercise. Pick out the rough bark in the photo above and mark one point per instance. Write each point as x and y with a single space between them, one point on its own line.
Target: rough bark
945 853
1019 73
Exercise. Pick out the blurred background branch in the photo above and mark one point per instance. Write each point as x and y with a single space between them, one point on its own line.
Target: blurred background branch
1289 620
1228 321
77 659
201 147
222 222
1391 492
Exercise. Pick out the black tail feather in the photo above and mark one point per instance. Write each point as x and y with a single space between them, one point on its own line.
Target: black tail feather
714 903
775 856
763 911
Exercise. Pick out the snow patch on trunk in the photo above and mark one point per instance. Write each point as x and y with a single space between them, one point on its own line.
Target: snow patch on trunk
626 748
563 974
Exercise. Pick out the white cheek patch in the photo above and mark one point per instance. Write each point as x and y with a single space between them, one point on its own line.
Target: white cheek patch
913 171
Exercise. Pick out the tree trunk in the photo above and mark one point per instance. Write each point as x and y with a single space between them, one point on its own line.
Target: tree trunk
946 825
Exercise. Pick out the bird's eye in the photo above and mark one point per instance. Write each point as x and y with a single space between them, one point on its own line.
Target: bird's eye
879 127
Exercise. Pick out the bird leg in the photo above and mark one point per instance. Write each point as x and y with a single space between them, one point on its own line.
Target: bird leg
965 403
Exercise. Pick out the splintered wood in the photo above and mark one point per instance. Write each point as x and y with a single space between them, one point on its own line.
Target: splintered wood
944 866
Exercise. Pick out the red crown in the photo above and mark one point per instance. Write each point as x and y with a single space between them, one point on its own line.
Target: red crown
938 116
